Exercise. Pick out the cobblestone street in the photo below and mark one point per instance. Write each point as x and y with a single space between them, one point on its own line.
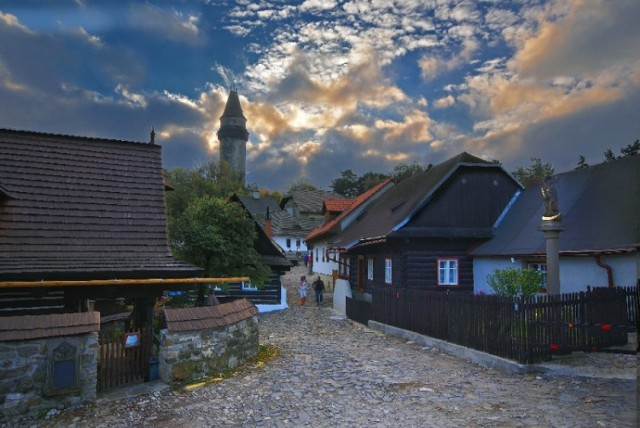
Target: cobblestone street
333 372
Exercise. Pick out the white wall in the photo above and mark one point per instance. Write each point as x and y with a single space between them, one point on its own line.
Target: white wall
282 241
326 267
576 273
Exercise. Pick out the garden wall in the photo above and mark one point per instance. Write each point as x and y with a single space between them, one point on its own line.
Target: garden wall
199 343
47 362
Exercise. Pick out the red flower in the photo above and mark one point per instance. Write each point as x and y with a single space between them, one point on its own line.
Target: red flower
606 327
554 347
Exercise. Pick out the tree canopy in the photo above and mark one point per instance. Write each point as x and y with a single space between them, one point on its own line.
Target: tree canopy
350 185
533 174
219 237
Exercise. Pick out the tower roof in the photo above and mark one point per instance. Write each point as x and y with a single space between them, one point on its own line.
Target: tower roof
233 108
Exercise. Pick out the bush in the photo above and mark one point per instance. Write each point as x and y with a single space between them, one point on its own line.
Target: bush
514 282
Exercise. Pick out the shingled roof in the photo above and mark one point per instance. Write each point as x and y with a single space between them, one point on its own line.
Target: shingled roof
55 325
208 317
333 225
600 208
398 205
82 208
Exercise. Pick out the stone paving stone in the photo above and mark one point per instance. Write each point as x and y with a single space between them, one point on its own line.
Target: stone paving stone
332 372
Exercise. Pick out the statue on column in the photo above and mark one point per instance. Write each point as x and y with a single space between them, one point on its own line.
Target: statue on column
550 197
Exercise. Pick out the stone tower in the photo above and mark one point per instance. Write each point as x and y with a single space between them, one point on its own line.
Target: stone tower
233 136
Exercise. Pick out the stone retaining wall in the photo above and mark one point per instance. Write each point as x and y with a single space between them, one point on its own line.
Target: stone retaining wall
199 343
27 375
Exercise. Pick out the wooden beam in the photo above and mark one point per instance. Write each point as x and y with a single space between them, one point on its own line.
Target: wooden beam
115 281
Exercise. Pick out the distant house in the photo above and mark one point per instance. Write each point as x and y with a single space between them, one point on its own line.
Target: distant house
271 255
339 215
417 234
600 243
300 213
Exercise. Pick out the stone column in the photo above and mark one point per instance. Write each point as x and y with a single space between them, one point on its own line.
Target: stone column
551 230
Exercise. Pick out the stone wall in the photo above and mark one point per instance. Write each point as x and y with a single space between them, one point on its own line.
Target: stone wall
31 382
197 355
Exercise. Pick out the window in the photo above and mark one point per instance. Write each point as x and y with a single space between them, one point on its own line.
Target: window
447 272
297 243
370 269
248 286
387 271
288 242
542 268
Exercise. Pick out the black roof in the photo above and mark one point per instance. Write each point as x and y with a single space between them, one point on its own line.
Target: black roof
600 208
233 108
399 204
82 208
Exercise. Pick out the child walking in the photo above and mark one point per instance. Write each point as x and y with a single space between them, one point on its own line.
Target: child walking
302 289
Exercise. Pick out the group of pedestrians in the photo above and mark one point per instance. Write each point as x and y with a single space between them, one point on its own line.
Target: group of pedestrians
318 288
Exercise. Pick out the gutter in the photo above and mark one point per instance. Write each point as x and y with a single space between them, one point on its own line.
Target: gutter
116 281
605 267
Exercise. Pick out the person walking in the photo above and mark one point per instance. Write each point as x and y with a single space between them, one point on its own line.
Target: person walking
318 287
302 289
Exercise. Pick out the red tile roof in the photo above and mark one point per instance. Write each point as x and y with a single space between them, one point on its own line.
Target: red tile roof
327 227
337 205
40 326
207 317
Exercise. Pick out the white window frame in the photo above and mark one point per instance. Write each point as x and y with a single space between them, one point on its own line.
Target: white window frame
542 268
248 286
388 270
370 268
448 272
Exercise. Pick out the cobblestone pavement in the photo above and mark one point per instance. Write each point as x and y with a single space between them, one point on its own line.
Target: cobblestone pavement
333 372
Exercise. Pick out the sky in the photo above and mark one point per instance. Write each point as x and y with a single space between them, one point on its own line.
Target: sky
330 85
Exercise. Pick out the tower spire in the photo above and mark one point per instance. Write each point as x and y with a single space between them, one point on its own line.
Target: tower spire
233 135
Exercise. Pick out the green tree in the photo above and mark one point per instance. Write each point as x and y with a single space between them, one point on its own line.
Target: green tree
347 184
631 149
218 237
609 156
582 162
301 184
533 174
513 282
405 170
369 180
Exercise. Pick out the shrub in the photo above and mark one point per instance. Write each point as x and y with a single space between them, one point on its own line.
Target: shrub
514 282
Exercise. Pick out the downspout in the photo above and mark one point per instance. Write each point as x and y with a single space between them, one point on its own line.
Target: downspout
607 268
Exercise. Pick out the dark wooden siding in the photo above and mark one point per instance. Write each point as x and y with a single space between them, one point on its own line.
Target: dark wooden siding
269 294
473 198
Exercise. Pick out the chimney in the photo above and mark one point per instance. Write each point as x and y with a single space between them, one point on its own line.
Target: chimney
256 195
267 224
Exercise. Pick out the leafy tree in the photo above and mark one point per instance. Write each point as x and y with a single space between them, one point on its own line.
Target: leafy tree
369 180
404 170
631 149
512 282
347 184
582 162
609 156
218 237
301 184
534 174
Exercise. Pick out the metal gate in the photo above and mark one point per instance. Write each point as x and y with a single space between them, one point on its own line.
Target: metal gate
124 360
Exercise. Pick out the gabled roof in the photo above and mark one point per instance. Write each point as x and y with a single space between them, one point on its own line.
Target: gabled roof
336 205
82 208
600 208
257 206
271 253
398 205
334 225
308 201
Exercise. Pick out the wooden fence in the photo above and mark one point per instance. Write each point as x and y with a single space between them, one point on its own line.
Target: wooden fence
523 330
121 363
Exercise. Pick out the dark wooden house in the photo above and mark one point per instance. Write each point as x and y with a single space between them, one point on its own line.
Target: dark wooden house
82 221
418 233
259 210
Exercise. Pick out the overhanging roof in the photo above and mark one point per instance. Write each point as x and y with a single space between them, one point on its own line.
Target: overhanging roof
600 208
